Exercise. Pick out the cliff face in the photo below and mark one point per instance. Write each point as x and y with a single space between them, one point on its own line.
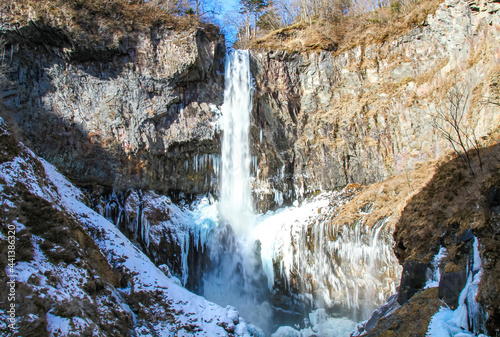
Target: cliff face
142 114
366 114
128 114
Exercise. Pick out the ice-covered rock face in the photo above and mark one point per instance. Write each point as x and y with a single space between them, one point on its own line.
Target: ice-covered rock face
347 267
469 318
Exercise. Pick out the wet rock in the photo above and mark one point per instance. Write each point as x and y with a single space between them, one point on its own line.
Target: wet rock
413 279
467 235
450 286
385 310
493 199
411 319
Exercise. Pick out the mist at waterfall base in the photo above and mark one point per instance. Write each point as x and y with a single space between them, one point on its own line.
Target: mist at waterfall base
241 271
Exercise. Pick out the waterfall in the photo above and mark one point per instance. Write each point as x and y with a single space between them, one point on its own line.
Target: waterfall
301 266
236 202
234 274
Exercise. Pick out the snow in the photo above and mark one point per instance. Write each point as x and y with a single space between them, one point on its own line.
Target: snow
17 170
320 326
69 286
190 309
58 325
147 276
468 319
286 331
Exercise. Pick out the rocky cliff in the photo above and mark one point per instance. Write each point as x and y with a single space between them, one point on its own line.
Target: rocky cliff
143 111
140 110
326 119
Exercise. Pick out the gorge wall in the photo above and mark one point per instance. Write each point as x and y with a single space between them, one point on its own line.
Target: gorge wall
324 120
142 114
124 114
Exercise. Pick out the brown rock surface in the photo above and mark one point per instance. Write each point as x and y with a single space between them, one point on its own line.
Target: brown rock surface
411 319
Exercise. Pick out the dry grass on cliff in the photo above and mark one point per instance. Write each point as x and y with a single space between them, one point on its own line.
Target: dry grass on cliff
97 20
115 12
351 31
388 197
453 201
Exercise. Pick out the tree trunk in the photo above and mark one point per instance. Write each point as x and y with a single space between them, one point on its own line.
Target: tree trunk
255 24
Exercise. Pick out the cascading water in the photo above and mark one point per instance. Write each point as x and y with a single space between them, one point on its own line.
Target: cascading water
295 266
234 275
236 201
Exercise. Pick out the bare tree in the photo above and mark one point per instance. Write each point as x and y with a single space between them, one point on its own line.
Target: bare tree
450 122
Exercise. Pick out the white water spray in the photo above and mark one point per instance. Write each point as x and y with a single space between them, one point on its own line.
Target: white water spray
233 277
236 202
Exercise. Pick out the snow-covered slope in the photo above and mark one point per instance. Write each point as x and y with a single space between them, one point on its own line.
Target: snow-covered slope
77 274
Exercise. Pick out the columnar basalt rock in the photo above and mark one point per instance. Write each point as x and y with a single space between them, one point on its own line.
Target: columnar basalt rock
139 114
367 113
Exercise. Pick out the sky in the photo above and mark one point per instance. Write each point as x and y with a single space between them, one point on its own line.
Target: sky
226 7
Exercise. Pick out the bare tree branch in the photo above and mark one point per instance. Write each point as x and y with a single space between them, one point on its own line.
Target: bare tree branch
449 121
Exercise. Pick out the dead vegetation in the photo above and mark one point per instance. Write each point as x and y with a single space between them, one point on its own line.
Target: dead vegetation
452 202
97 22
350 31
388 197
116 14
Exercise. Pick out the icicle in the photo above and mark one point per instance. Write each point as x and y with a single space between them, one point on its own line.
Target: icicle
364 254
278 197
470 317
145 231
433 280
184 244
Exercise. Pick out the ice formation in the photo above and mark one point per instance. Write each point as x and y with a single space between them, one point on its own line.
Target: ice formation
319 324
469 318
336 264
435 273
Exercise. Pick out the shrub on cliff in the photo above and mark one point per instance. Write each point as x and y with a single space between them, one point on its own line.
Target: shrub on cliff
346 23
